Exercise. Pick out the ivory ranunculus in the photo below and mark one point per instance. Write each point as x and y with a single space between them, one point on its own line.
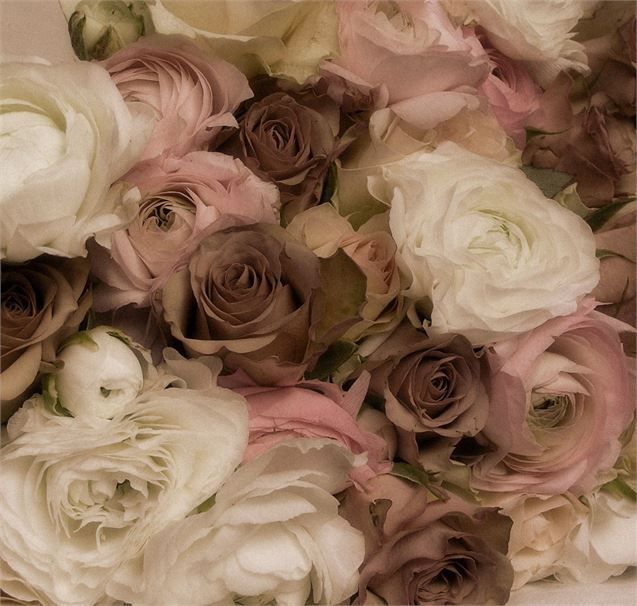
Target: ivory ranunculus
483 245
67 135
273 535
539 32
82 496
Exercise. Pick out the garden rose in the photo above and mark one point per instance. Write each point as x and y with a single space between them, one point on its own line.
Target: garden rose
272 535
291 141
433 392
539 33
420 552
182 200
250 294
67 135
282 37
43 302
560 399
82 496
424 67
192 95
311 409
483 244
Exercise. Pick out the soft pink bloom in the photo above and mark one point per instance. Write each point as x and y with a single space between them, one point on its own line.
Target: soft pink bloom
561 398
183 200
407 55
312 409
192 95
512 94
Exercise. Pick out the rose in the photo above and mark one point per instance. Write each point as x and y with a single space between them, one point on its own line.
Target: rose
443 552
286 37
43 302
560 400
616 288
86 138
483 244
598 150
192 95
433 392
183 199
312 409
425 67
250 294
512 95
539 33
82 496
541 532
291 141
273 535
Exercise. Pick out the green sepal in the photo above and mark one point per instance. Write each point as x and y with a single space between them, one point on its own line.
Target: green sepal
51 399
598 218
421 477
551 182
332 359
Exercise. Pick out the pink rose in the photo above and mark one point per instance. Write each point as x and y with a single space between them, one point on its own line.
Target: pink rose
421 552
512 94
312 409
192 95
183 200
560 399
425 68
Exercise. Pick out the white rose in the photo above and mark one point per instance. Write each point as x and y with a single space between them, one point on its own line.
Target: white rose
539 32
67 135
483 244
273 535
284 37
102 372
81 496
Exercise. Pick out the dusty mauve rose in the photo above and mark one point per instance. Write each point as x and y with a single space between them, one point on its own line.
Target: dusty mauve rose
598 150
406 55
433 392
43 302
560 398
192 94
311 409
249 294
441 552
290 140
616 288
183 199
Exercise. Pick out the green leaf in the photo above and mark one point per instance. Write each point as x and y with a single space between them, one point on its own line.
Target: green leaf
621 489
336 355
329 185
419 476
538 132
551 182
598 218
207 504
603 253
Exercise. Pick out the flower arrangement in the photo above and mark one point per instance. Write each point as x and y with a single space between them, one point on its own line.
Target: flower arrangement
318 302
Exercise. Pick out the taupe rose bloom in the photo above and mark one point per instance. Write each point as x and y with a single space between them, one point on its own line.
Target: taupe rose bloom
43 302
291 141
249 294
419 552
433 391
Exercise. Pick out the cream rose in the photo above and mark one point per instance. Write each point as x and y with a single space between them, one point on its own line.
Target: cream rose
67 135
539 32
483 245
273 536
82 496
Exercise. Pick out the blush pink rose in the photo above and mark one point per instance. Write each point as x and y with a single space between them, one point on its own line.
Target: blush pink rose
512 94
417 60
192 95
560 399
312 409
183 200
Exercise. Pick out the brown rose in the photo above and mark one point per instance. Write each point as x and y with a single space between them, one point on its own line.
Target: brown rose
43 302
441 552
433 392
250 295
290 140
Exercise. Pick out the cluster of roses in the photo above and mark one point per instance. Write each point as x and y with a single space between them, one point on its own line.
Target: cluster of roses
323 273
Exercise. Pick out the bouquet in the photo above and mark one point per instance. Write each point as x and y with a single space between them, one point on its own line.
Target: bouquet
318 302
